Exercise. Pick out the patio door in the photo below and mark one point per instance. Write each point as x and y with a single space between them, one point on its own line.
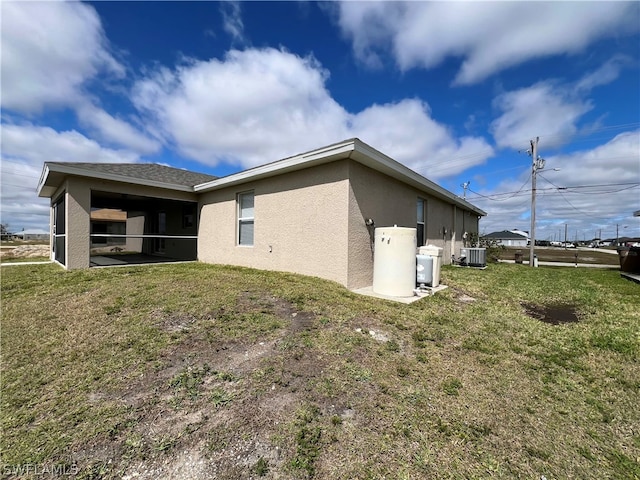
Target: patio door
59 230
159 244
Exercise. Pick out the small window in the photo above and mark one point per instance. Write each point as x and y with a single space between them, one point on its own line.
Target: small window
188 216
420 229
245 218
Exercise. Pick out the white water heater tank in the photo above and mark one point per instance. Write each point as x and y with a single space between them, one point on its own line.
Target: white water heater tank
394 261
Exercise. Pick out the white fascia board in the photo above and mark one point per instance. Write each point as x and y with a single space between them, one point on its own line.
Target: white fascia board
354 149
81 172
305 160
378 161
43 178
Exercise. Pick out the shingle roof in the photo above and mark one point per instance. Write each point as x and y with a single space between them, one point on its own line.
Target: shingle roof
146 171
505 235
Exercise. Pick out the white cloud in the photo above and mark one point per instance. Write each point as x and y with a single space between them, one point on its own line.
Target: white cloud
406 131
49 51
549 109
244 108
370 26
614 162
25 148
584 209
116 130
488 37
604 75
232 20
544 109
257 105
35 145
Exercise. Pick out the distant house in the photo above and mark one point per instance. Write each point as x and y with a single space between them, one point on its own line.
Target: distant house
313 213
508 238
31 235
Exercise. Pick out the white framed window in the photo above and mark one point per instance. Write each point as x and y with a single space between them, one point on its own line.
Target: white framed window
245 218
421 231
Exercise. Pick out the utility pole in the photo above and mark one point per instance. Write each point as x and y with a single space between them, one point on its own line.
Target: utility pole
565 236
617 236
537 164
465 185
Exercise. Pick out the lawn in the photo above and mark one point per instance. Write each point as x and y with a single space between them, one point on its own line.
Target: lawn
201 371
563 255
9 259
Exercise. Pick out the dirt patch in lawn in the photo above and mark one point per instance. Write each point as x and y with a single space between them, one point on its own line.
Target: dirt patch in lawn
552 314
211 408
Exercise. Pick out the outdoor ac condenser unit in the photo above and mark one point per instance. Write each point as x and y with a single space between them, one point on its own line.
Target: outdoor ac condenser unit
476 257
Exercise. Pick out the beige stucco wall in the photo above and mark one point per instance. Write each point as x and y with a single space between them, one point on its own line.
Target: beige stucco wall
439 225
135 226
385 200
78 203
313 222
390 202
301 223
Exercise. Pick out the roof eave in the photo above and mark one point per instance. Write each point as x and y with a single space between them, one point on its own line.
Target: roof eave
45 190
354 149
395 169
43 179
304 160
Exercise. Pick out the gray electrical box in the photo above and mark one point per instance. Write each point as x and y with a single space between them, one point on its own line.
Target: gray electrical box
424 270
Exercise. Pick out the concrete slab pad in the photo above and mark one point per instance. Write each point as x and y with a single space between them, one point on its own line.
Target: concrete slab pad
368 291
129 259
631 276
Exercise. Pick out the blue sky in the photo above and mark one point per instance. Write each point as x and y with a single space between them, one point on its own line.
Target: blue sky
454 90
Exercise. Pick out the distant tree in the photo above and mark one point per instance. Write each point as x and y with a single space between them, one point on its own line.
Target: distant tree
494 249
4 230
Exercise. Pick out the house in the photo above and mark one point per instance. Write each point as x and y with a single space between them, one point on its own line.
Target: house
520 232
32 235
313 213
508 238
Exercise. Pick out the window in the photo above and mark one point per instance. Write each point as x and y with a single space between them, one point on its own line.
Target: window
188 215
245 218
420 229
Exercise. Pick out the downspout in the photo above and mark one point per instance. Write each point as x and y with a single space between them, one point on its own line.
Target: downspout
453 231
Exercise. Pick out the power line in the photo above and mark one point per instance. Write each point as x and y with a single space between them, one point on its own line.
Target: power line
566 189
590 132
629 185
585 134
20 174
503 199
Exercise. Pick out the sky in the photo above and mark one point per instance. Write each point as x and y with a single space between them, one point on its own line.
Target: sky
456 91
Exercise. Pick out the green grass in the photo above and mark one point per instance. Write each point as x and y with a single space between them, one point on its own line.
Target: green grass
563 255
261 373
9 259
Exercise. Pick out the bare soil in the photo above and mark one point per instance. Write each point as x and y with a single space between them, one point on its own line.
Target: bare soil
553 314
25 251
214 429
